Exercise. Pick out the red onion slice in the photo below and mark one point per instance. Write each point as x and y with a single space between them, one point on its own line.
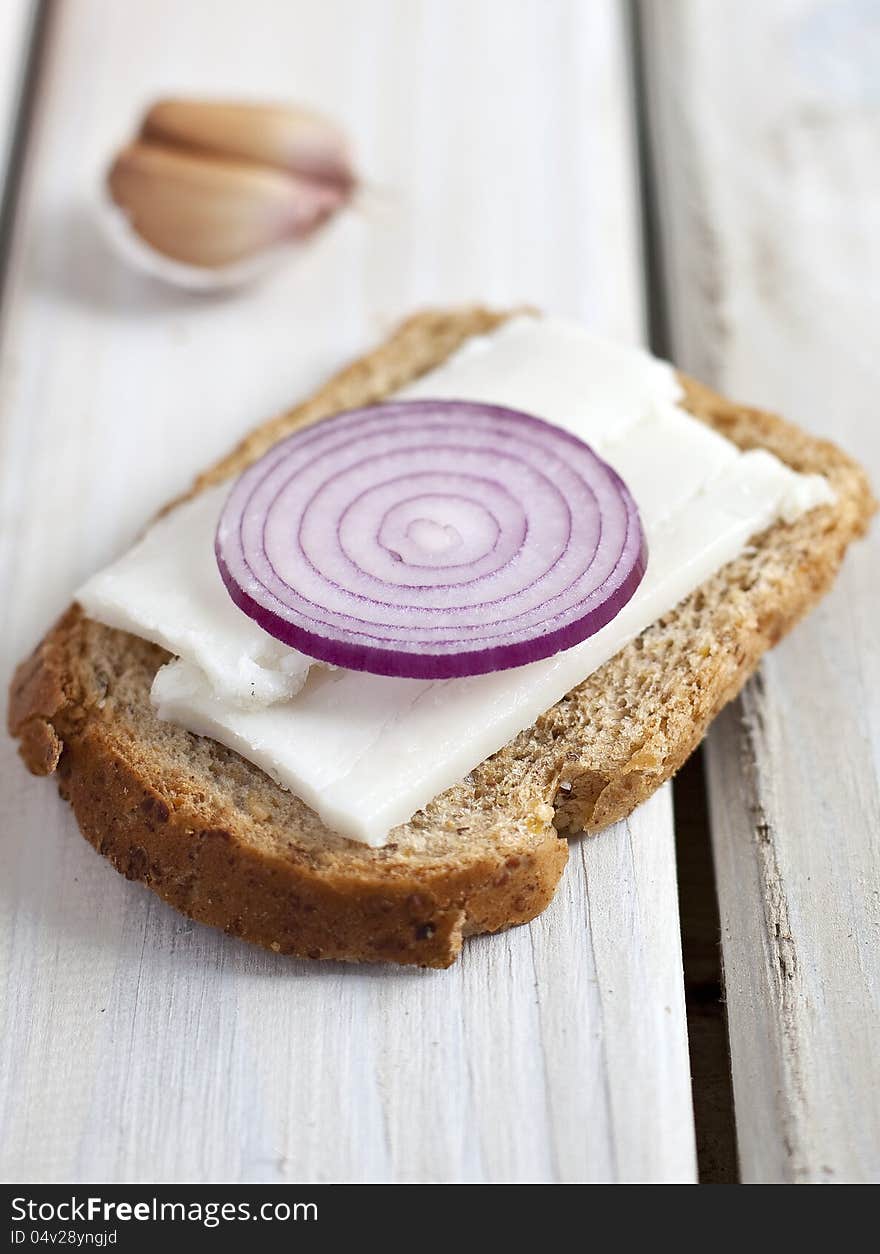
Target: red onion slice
431 540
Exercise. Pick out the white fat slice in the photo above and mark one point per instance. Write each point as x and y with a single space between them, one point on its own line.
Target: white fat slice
365 751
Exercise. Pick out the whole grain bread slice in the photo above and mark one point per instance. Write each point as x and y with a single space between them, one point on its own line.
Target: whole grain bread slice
215 837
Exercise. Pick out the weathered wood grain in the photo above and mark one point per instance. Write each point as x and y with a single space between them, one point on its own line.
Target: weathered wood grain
766 127
138 1046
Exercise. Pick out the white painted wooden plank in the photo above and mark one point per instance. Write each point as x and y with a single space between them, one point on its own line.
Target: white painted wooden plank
767 127
137 1045
17 18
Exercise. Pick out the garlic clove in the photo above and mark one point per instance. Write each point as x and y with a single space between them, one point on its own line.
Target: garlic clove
208 212
289 138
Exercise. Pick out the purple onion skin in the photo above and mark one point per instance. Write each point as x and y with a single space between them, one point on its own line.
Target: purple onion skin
421 663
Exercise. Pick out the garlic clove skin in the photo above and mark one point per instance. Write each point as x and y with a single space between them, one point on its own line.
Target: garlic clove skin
291 139
209 212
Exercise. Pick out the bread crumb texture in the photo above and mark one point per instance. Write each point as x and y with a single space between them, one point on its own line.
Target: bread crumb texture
215 837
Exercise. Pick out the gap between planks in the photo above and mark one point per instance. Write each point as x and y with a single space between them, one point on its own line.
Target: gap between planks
708 1042
23 31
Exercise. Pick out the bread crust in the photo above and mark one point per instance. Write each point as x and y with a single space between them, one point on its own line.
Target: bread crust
212 835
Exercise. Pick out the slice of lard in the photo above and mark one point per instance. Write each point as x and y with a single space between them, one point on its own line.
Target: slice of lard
366 751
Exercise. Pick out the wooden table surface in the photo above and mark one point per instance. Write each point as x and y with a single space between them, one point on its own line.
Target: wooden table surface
509 159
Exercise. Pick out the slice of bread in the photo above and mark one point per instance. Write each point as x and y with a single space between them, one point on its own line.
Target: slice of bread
216 838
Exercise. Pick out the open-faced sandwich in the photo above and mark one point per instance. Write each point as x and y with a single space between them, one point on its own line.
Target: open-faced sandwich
484 591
